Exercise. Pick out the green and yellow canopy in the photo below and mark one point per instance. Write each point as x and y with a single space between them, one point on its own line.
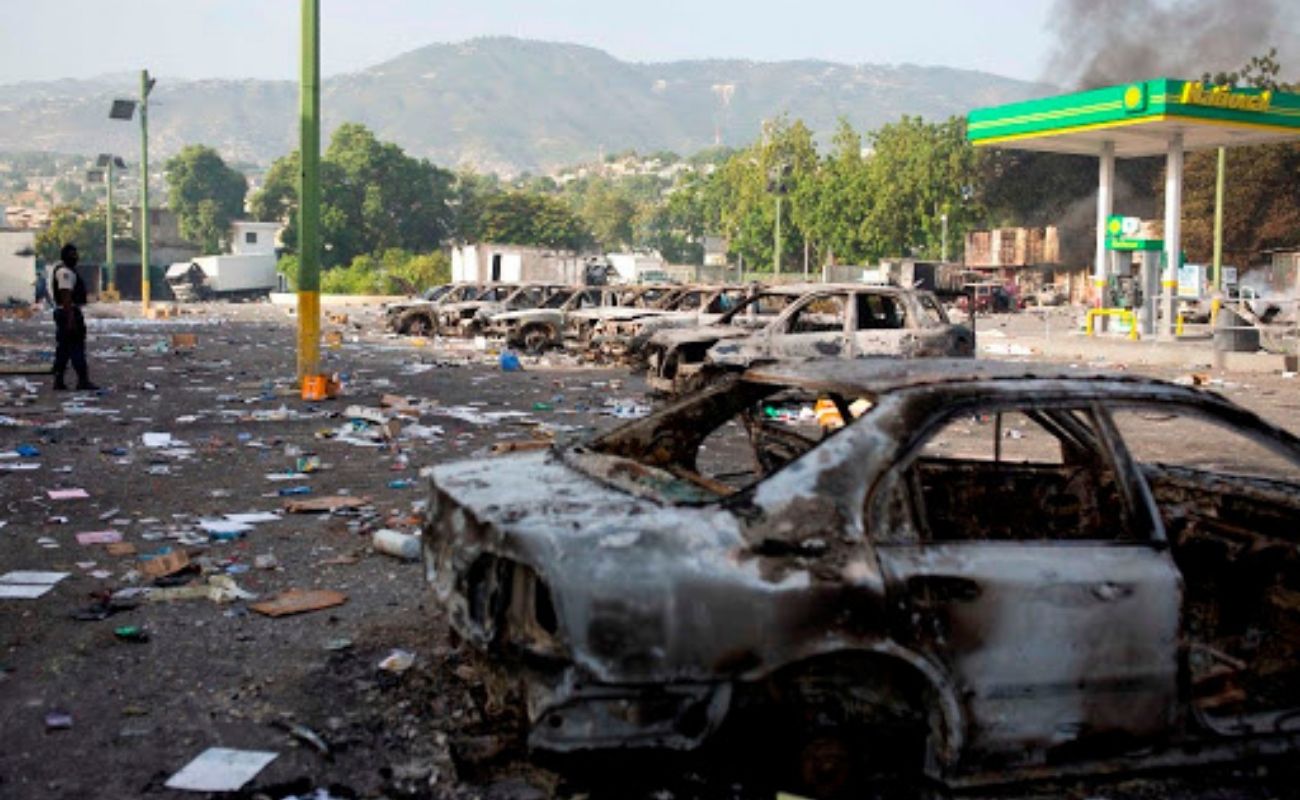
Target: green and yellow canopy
1140 119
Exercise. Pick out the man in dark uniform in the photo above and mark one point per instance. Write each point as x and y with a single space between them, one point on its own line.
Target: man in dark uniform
69 325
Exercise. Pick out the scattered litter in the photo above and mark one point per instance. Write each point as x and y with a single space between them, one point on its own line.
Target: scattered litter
120 549
396 543
165 563
299 601
28 584
68 494
330 504
217 588
220 769
520 446
223 527
305 734
253 518
131 633
58 720
99 537
398 661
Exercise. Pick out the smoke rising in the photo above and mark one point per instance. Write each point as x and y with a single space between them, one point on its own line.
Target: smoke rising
1107 42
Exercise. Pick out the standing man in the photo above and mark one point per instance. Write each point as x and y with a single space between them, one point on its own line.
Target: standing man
42 289
69 325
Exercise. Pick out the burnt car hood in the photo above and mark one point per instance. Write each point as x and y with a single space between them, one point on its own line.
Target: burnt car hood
642 590
676 337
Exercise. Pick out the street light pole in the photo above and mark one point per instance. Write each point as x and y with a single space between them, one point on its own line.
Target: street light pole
108 232
145 86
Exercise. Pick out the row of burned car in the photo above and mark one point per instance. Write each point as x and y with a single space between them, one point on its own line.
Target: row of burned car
687 335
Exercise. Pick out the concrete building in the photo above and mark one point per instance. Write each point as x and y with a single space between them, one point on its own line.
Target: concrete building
485 262
249 238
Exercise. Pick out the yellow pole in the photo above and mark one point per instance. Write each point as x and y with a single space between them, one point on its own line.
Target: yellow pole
309 195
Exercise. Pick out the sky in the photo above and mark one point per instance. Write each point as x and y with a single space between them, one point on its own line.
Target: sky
49 39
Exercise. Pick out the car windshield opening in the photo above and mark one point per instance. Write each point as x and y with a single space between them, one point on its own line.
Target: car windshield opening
717 442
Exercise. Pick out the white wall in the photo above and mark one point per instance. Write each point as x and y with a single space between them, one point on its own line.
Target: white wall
264 232
17 273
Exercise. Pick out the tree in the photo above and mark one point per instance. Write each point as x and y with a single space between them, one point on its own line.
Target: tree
374 197
392 272
608 212
741 194
1261 185
524 218
206 195
919 171
73 225
833 209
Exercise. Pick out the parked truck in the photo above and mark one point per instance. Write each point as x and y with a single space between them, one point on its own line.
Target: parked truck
226 277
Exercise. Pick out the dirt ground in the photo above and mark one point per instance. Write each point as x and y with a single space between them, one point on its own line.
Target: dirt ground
87 713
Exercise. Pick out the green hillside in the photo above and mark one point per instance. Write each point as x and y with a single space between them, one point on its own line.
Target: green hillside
502 104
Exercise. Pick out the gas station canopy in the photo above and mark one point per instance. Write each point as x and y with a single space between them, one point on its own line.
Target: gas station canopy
1140 119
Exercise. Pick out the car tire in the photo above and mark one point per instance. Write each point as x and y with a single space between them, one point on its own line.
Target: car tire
417 324
537 338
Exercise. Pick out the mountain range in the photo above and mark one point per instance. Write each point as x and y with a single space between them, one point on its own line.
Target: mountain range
501 104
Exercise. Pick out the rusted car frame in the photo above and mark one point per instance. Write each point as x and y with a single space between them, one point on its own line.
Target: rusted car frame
1010 618
420 317
844 321
537 329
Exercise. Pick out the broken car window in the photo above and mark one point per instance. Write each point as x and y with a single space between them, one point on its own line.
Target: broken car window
1191 441
876 311
725 438
1009 475
822 315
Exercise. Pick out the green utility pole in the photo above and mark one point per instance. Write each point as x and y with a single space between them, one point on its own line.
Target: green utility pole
309 194
146 86
776 249
108 230
1216 279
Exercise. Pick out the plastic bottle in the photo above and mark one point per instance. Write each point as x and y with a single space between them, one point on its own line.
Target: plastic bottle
396 543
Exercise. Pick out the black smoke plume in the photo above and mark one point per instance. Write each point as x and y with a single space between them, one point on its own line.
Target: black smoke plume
1107 42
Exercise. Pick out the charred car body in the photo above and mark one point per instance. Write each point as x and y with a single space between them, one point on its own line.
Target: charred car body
1044 602
536 329
845 321
629 302
420 317
471 317
624 337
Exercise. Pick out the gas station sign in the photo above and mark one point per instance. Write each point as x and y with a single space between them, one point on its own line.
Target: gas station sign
1122 234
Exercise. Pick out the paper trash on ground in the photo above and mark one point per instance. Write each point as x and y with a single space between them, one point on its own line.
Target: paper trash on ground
221 769
28 584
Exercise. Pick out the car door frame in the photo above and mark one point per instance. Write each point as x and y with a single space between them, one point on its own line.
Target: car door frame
1060 581
775 332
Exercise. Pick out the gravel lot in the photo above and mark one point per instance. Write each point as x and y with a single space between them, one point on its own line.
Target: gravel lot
218 674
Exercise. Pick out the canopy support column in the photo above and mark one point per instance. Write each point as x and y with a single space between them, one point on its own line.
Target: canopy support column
1173 230
1105 207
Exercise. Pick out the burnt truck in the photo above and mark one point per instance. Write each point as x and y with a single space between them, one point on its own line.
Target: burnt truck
805 321
916 591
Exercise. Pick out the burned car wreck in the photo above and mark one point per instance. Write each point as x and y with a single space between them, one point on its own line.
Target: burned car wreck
977 565
790 322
